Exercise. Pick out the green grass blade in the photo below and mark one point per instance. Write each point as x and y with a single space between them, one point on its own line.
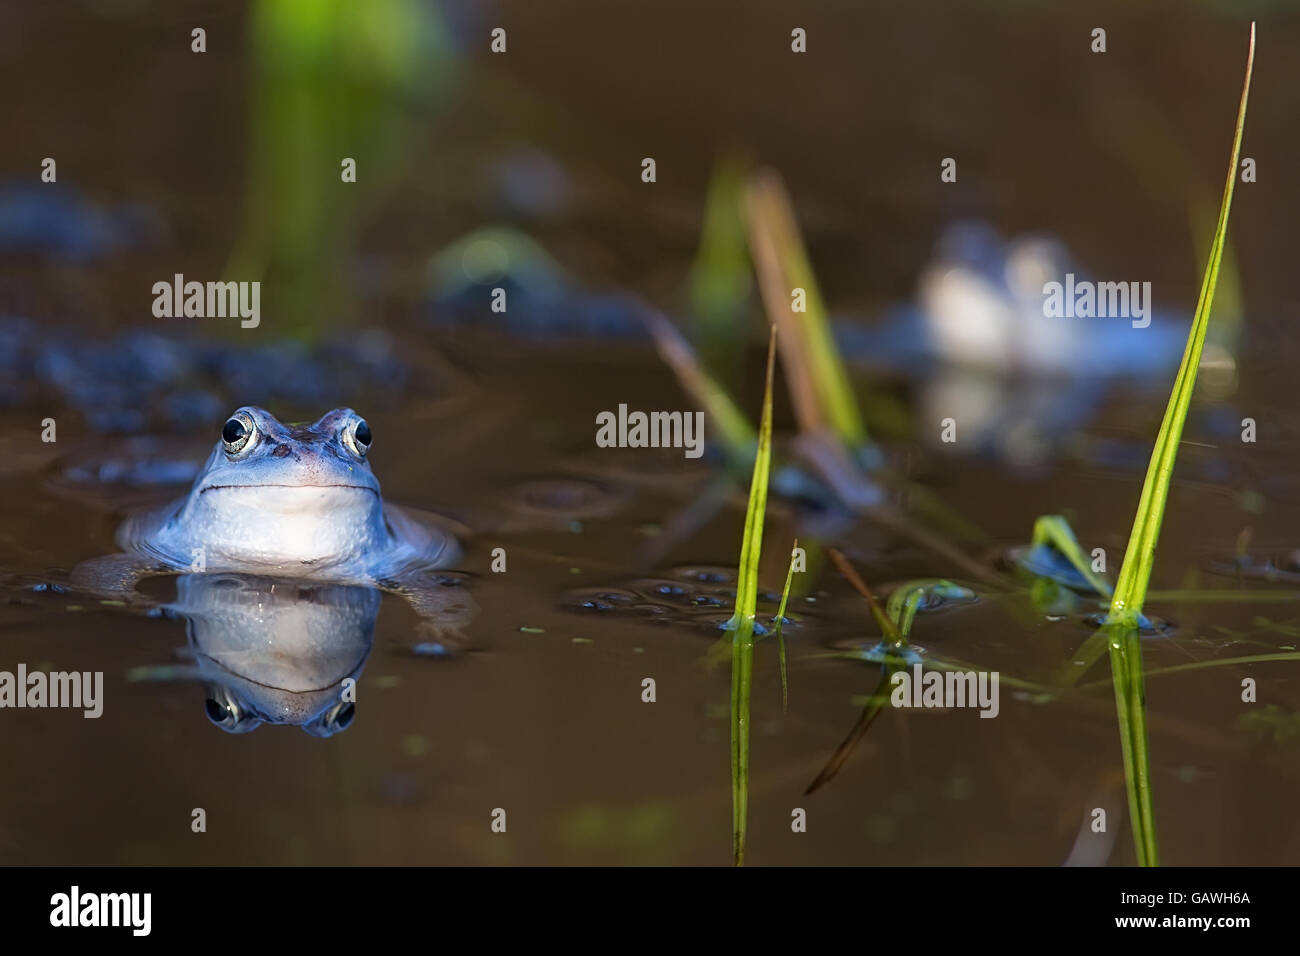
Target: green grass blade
1134 575
1121 626
1130 708
742 621
780 622
742 675
752 543
1231 311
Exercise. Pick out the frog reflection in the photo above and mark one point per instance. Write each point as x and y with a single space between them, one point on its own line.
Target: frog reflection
271 650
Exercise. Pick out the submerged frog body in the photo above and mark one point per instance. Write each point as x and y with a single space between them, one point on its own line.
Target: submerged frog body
289 500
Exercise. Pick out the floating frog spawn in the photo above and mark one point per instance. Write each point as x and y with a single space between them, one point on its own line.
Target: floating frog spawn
306 677
297 501
55 222
143 378
700 596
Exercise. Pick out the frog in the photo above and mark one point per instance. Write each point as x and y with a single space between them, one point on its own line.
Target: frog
297 501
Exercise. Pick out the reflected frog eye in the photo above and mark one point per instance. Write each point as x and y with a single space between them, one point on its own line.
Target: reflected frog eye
226 714
357 437
238 433
337 718
218 712
222 711
344 717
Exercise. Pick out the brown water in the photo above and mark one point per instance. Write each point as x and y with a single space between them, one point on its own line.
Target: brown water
548 723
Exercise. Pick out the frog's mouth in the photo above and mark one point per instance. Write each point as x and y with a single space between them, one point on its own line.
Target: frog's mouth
315 501
208 488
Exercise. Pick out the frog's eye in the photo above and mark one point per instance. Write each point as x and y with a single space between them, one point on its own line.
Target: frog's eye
224 712
238 433
343 719
218 712
356 436
337 718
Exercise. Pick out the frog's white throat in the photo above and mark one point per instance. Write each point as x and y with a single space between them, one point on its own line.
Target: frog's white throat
283 527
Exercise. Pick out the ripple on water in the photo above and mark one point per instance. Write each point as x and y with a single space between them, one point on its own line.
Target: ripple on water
567 498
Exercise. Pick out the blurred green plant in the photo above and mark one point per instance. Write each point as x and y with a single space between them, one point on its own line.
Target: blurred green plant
819 383
721 284
331 80
495 255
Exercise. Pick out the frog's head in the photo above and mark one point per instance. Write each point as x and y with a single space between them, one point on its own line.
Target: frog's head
236 714
257 452
277 494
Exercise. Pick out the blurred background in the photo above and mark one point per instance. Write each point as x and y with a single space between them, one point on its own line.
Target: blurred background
523 170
